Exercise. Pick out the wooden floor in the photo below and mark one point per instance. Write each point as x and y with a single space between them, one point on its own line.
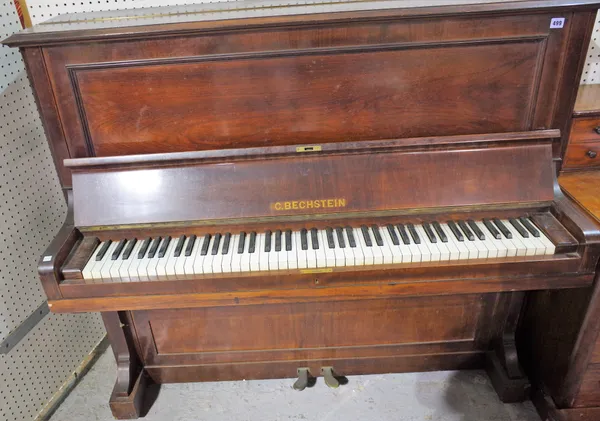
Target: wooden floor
436 396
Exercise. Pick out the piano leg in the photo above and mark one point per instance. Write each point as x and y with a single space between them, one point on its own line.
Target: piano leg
127 398
503 366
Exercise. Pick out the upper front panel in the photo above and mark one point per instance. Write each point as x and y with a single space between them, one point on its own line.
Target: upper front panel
348 81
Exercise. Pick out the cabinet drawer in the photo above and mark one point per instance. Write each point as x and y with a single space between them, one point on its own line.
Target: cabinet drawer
583 155
584 130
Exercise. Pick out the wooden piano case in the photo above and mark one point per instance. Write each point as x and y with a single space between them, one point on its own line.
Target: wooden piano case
464 95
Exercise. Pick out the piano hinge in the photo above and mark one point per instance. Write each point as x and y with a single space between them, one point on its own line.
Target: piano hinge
316 270
308 148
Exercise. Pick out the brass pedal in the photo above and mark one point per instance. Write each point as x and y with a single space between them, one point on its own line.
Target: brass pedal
305 379
332 379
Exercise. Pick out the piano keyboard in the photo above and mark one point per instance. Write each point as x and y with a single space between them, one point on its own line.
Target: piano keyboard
343 246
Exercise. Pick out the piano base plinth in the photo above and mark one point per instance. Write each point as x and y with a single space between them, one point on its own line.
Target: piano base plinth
509 389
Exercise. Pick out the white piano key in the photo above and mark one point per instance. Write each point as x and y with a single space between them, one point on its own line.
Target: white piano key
163 262
263 256
198 268
330 260
395 251
311 257
350 257
362 247
511 249
320 256
142 267
423 249
302 257
492 249
340 256
407 250
188 267
117 263
208 258
273 255
153 262
520 243
179 266
126 264
378 258
227 258
443 248
292 256
255 257
434 252
282 255
217 260
132 274
107 262
88 269
245 259
470 245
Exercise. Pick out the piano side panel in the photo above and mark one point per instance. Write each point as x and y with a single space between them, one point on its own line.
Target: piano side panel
308 333
313 184
352 80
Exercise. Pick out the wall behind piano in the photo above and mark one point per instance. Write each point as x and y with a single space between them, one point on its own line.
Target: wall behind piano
32 209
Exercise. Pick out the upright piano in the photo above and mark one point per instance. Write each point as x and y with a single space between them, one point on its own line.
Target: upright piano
260 190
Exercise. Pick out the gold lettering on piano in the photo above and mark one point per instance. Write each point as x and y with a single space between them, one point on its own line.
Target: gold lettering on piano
309 204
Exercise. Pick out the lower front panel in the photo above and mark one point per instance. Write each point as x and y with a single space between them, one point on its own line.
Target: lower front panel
355 337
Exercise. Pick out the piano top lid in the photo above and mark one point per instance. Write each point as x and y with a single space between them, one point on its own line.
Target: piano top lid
315 181
135 23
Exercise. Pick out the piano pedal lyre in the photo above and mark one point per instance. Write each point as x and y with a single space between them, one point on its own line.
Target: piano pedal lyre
305 379
332 379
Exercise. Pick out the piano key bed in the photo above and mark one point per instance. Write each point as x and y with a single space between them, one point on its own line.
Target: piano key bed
310 249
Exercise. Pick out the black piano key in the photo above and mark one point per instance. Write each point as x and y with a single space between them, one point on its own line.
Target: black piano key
339 231
179 246
463 226
268 235
476 229
163 247
216 242
429 232
413 233
288 240
314 237
492 229
190 245
252 244
377 235
154 247
117 251
524 233
241 242
303 239
351 239
103 250
329 235
530 227
455 231
502 228
130 245
226 241
366 236
393 234
440 232
205 244
403 234
142 251
278 240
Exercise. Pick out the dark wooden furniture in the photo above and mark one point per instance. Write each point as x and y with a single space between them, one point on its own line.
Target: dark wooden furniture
176 123
564 351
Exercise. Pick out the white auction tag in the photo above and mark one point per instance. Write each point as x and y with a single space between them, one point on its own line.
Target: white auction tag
47 258
557 23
